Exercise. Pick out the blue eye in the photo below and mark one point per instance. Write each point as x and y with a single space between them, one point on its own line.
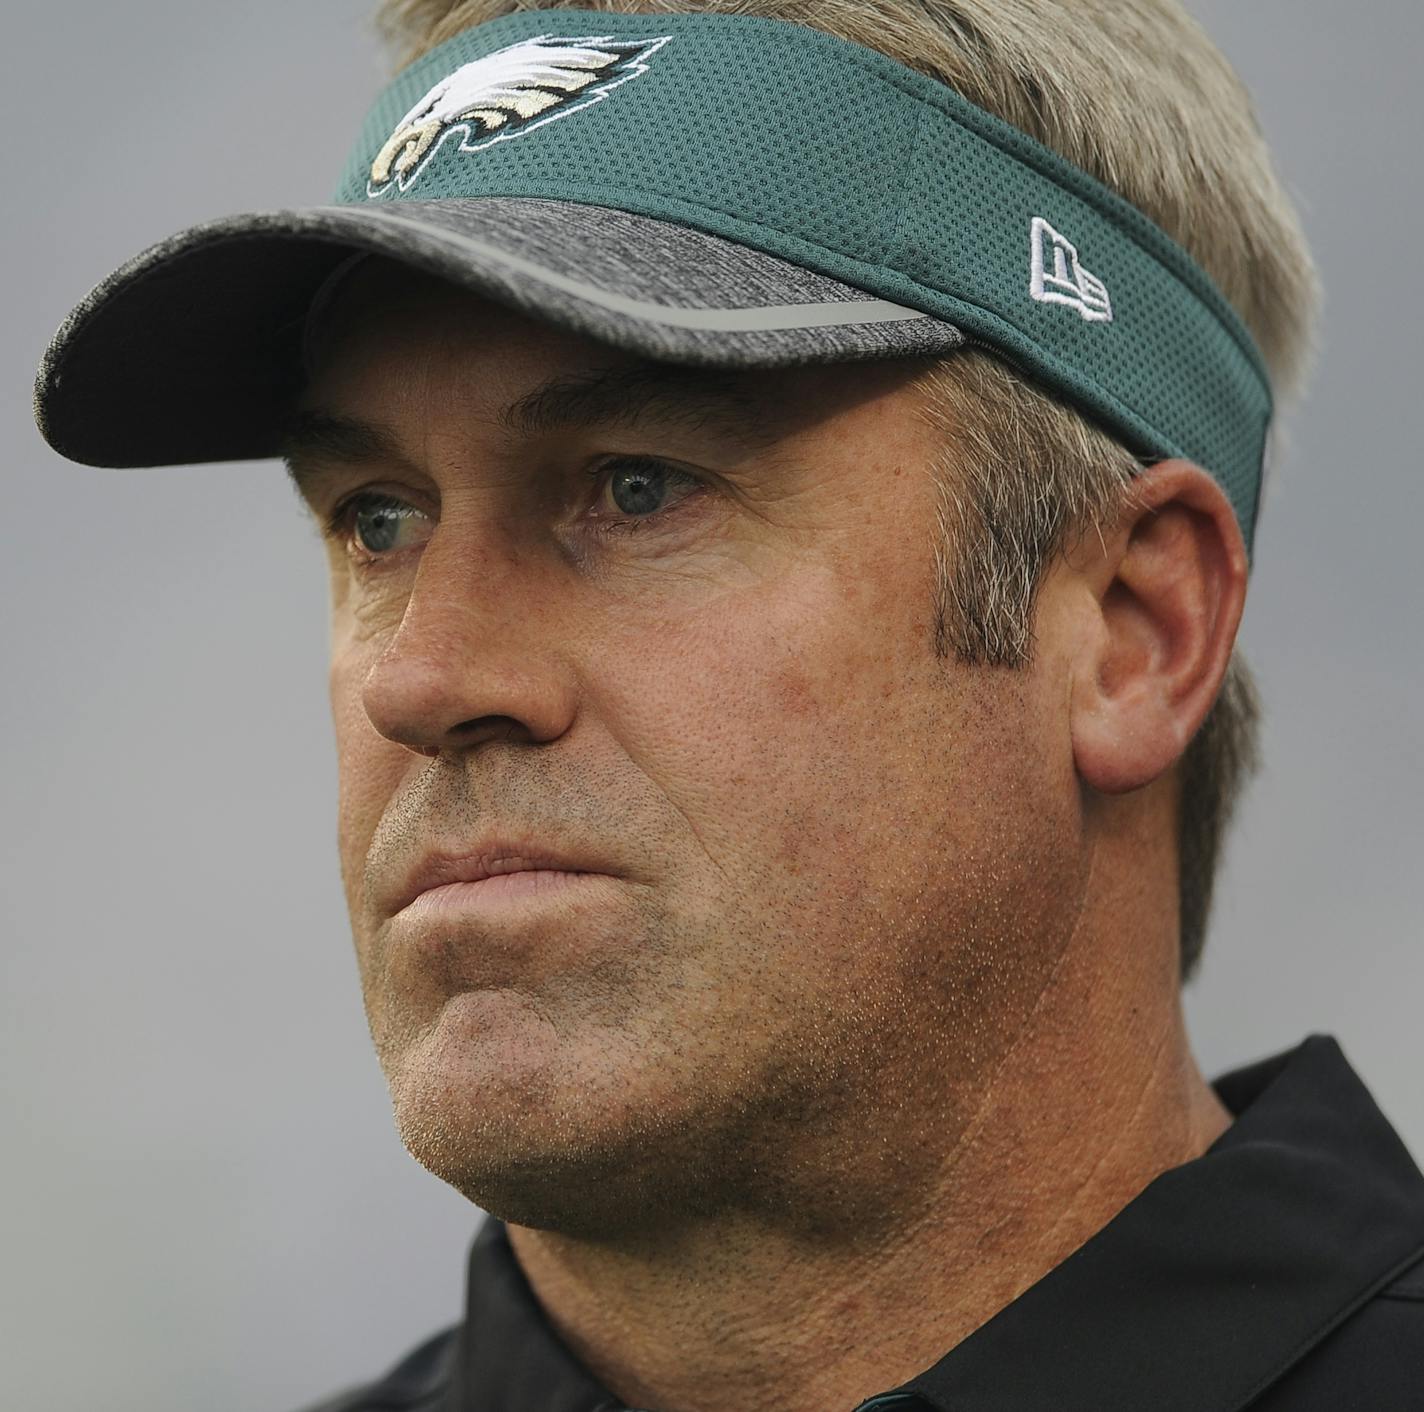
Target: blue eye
640 488
371 519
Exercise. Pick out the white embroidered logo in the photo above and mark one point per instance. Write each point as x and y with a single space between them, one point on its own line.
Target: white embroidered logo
507 94
1069 283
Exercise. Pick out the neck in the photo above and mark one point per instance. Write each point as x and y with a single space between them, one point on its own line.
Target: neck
1063 1120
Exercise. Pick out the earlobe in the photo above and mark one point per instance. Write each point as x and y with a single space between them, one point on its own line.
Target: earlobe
1166 593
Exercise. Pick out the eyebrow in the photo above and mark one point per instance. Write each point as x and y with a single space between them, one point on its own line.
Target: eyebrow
316 442
719 402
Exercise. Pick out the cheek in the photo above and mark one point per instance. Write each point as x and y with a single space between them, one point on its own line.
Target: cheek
824 756
370 770
770 718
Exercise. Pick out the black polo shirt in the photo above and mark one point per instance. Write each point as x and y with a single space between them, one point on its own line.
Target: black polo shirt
1282 1270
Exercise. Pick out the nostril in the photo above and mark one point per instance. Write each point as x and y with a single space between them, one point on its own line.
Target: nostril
485 728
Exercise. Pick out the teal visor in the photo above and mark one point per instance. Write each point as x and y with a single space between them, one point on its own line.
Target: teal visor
916 222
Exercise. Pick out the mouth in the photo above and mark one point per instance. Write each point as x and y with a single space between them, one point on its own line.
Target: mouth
503 893
500 873
529 924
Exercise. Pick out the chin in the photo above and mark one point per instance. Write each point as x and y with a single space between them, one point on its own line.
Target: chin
582 1190
616 1161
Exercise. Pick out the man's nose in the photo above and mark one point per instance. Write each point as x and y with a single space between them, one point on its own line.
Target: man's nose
483 650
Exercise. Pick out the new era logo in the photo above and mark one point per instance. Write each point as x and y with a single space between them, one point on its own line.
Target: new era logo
1058 278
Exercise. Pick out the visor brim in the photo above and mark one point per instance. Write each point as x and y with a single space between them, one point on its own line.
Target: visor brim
192 351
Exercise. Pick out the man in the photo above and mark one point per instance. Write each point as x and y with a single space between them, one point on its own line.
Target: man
788 527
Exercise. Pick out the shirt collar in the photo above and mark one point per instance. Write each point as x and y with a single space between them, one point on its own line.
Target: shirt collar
1206 1287
1221 1272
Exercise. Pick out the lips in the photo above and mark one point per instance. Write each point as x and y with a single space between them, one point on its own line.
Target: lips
436 869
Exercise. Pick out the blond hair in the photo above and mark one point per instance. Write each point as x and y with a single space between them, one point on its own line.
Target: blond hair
1143 100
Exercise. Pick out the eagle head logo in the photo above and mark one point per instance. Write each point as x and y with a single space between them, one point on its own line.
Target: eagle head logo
506 94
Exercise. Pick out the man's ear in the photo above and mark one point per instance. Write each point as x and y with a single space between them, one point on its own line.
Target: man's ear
1165 592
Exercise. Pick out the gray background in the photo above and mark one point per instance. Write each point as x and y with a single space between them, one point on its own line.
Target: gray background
205 1203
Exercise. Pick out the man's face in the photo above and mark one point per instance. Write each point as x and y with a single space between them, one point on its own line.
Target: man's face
690 642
